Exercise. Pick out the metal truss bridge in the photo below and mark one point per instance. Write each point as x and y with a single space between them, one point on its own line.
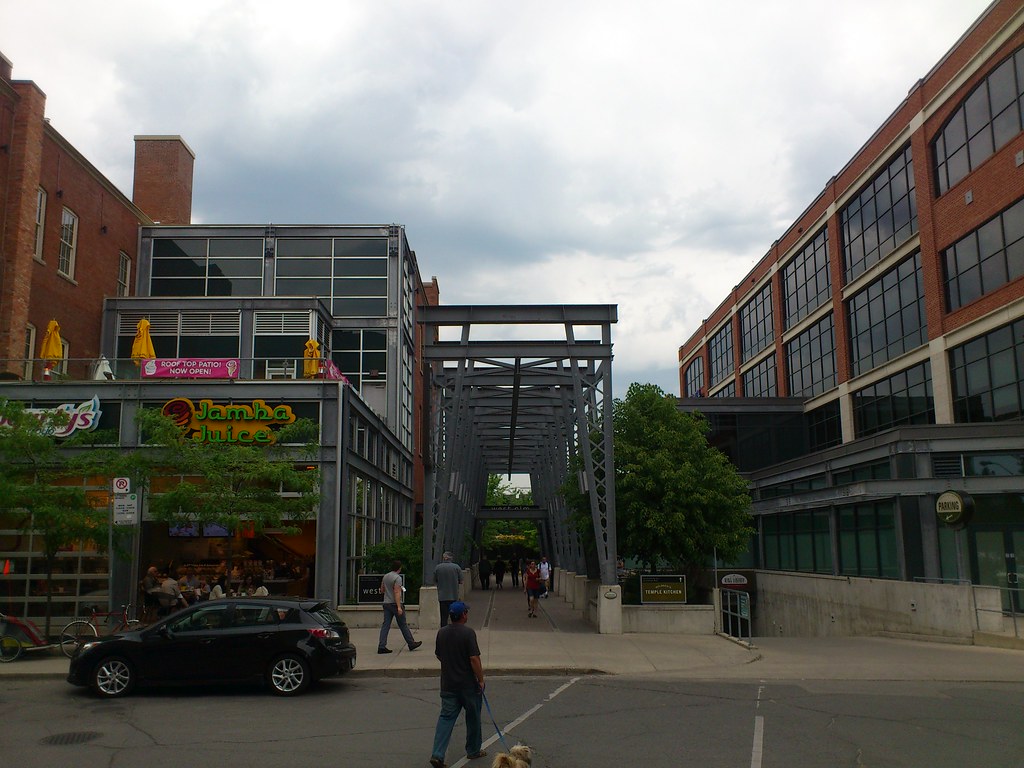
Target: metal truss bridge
536 406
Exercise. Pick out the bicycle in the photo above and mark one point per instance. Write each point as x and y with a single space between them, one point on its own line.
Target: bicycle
83 630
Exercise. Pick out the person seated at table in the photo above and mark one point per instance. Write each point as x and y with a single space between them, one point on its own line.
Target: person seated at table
170 596
246 587
150 600
258 589
219 589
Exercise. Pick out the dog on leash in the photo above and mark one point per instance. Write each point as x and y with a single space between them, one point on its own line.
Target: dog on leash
520 756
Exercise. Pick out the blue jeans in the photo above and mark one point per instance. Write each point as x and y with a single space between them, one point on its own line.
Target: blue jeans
451 703
391 612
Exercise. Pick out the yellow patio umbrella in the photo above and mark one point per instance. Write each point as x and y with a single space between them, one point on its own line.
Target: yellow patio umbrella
311 364
142 347
52 350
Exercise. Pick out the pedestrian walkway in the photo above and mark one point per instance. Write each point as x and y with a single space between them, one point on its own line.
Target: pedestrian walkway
560 642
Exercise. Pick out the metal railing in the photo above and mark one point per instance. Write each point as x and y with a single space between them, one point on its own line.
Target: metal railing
1012 617
127 369
736 614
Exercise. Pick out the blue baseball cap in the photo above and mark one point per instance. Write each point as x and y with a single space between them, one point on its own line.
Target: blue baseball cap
456 609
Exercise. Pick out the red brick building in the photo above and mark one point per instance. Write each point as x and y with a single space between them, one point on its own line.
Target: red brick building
68 237
891 312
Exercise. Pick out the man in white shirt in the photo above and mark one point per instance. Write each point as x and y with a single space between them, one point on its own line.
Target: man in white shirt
545 574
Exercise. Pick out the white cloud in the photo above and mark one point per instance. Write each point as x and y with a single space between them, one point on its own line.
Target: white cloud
644 154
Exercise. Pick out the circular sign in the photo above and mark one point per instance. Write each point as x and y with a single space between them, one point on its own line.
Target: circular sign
734 579
122 484
953 509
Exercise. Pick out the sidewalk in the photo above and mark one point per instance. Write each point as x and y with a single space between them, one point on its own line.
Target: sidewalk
559 642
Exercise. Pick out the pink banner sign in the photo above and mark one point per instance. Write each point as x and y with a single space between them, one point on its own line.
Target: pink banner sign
330 371
191 368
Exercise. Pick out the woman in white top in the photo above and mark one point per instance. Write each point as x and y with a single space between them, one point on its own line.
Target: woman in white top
218 589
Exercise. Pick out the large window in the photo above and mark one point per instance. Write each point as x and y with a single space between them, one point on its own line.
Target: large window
987 258
881 217
806 281
756 329
124 274
904 398
800 541
867 541
37 248
207 267
351 271
760 381
29 352
989 117
729 390
361 355
824 426
811 358
720 353
888 318
695 378
988 376
68 243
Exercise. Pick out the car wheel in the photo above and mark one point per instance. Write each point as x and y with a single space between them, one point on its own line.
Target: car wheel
113 677
289 675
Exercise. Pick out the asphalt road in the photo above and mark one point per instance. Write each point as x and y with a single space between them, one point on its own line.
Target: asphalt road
570 722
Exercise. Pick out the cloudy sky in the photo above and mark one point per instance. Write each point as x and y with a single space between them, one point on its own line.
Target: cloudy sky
644 154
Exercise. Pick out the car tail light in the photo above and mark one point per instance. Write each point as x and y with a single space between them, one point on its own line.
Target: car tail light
323 633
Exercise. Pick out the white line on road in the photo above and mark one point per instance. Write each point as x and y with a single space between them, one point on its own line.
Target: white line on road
518 721
758 749
755 754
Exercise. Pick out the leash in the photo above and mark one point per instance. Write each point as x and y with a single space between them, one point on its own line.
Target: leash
491 715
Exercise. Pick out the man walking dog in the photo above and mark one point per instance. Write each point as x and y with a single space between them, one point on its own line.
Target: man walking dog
462 685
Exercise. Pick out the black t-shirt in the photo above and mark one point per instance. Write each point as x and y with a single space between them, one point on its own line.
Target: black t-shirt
455 644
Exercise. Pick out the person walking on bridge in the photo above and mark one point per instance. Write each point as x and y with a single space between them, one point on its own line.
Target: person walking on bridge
533 585
447 577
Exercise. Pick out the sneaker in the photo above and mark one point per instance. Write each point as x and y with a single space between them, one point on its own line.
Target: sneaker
437 762
415 645
383 650
476 755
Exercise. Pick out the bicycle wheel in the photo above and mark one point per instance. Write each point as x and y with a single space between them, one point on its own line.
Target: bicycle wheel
74 634
10 648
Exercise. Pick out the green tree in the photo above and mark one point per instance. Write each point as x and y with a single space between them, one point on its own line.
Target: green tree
677 499
407 549
231 485
38 482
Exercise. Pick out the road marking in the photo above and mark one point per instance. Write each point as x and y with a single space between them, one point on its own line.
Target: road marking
518 721
757 751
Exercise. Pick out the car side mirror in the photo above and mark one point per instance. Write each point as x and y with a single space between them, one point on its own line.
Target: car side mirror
165 632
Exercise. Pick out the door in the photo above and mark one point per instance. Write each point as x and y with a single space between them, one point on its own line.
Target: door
999 562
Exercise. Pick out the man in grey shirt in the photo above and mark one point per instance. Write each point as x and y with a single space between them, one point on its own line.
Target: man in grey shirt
447 577
393 589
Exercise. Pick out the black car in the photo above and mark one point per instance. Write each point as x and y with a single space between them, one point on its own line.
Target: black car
286 642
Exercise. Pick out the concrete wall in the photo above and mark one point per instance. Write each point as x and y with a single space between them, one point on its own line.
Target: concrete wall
669 619
809 605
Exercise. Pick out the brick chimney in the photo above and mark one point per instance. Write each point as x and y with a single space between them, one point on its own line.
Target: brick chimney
163 178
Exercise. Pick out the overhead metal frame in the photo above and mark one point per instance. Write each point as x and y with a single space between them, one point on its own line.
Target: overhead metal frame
537 406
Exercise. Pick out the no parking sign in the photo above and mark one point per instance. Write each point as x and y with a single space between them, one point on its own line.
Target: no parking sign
122 485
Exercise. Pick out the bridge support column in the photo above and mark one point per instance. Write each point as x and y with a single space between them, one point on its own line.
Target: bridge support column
430 616
609 609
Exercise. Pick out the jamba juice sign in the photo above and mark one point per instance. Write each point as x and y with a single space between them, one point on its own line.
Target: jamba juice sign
211 423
